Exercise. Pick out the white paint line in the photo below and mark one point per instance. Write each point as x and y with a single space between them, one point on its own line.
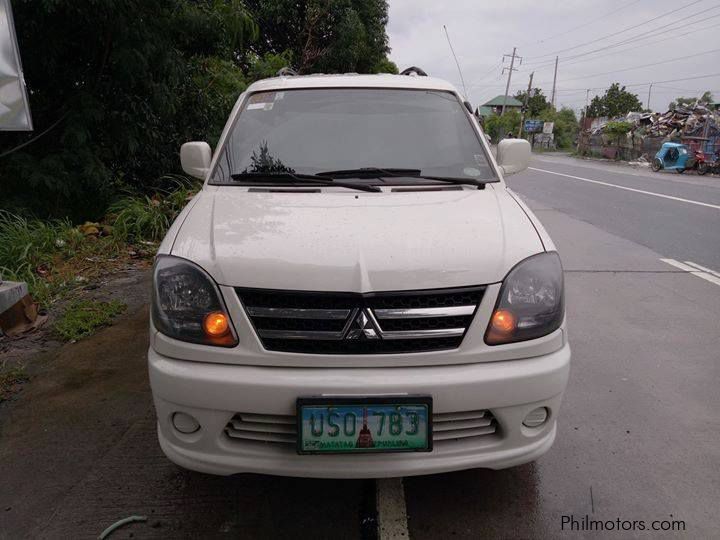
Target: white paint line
678 264
693 270
392 515
703 268
661 195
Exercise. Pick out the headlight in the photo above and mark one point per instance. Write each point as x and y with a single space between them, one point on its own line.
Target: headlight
531 302
186 304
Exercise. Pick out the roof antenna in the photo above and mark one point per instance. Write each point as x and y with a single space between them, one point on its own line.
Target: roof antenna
462 79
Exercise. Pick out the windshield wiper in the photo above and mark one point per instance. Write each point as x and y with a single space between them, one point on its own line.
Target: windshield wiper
371 172
297 178
379 172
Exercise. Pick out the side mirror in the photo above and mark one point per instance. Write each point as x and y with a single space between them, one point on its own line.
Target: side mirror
195 158
513 155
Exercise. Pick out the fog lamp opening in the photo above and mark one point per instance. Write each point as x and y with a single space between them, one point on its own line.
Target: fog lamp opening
185 423
536 417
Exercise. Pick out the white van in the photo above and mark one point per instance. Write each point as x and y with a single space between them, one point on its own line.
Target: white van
355 292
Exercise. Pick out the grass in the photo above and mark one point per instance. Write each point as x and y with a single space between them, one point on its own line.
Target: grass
48 255
148 218
82 317
57 259
10 380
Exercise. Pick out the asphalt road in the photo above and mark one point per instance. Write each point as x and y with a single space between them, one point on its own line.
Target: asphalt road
638 434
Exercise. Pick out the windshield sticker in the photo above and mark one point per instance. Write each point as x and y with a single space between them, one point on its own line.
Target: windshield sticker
279 96
263 106
479 159
471 171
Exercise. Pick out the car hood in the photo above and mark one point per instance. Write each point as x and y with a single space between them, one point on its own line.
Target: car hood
342 240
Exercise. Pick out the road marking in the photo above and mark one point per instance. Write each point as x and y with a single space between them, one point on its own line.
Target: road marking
661 195
707 275
704 269
392 514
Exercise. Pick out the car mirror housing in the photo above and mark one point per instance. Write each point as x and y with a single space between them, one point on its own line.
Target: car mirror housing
195 158
513 155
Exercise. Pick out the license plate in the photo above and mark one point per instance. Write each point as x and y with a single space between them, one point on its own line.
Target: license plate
364 425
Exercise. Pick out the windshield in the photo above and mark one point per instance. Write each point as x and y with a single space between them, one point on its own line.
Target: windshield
318 130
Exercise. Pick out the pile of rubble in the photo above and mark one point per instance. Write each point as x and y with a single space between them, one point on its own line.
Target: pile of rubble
681 121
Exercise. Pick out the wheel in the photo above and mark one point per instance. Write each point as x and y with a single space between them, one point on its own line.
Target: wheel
656 164
702 168
680 171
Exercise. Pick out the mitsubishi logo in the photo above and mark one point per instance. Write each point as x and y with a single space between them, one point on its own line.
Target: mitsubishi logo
362 326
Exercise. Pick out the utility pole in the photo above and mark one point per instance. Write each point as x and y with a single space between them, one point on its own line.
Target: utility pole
525 106
587 102
552 99
649 91
512 56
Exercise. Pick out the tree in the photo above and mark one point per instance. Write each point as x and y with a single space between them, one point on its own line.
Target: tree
115 87
329 36
707 97
497 126
566 125
616 102
536 104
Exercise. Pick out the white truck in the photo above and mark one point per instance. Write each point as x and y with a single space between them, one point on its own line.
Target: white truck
355 292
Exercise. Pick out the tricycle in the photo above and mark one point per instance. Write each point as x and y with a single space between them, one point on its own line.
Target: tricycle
672 156
678 157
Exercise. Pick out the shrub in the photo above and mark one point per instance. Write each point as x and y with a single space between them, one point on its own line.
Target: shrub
136 218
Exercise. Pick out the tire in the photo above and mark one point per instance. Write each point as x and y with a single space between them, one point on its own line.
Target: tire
702 168
656 165
680 171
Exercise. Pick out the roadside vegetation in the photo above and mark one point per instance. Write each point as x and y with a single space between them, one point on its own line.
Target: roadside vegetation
538 108
82 317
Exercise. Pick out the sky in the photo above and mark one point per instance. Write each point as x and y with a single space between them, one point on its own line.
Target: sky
619 36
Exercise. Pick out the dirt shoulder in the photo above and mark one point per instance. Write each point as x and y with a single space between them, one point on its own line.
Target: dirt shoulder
26 357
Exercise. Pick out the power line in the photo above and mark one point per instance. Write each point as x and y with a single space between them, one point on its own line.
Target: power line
593 21
484 75
620 31
640 66
675 25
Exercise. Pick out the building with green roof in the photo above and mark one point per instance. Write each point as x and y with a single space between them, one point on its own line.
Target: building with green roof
494 106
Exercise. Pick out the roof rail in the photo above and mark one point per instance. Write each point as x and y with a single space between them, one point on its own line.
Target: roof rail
286 72
413 70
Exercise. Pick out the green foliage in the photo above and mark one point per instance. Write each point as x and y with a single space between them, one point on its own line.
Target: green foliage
328 36
269 64
614 103
135 218
707 97
497 126
537 103
566 126
82 317
385 65
26 244
120 84
616 131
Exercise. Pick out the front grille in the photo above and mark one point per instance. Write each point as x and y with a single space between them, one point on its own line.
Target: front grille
281 430
350 323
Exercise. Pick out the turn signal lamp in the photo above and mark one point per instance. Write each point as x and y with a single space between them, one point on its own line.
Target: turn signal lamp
503 321
216 324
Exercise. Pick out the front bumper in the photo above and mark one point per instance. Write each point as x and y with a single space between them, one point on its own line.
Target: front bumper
214 393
